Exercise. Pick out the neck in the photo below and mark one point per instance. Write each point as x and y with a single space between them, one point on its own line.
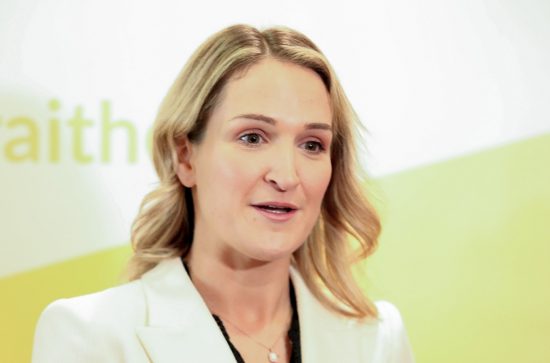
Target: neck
246 292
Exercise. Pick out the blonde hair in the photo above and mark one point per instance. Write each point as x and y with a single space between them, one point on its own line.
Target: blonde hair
163 227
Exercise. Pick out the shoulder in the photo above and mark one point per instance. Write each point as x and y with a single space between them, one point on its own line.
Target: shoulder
88 326
122 303
392 333
388 315
376 339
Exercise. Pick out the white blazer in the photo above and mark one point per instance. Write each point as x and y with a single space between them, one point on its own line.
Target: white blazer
161 318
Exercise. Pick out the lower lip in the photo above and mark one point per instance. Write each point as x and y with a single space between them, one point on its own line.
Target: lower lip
276 217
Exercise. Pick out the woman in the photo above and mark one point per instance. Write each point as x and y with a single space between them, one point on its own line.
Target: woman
242 252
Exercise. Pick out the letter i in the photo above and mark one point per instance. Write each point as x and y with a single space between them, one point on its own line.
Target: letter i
54 132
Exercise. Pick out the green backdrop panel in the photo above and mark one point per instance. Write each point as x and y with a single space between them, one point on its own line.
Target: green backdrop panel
465 254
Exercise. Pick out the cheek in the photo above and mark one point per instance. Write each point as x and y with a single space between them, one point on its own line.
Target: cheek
316 180
228 173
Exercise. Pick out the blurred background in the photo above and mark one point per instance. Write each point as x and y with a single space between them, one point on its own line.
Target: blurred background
455 96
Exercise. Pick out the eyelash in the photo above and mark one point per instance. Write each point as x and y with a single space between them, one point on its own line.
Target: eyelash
320 147
248 143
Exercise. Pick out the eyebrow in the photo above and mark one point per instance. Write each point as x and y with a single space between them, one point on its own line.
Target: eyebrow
272 121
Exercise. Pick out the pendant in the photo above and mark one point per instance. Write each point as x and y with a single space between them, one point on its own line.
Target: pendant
273 357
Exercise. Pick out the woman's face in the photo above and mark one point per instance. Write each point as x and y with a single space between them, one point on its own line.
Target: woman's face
262 168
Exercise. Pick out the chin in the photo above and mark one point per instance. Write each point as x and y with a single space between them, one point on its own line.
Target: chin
274 254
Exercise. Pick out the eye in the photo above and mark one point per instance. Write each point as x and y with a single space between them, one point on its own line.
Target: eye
252 138
314 147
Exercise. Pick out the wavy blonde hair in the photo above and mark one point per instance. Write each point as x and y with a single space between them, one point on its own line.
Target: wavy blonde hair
163 227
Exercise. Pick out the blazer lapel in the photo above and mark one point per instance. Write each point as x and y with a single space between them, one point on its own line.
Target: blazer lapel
326 337
179 326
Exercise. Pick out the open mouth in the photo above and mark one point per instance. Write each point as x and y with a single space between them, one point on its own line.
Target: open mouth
276 212
275 209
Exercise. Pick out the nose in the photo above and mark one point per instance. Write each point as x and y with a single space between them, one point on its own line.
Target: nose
282 173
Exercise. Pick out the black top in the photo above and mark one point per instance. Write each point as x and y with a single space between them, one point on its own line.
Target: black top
293 331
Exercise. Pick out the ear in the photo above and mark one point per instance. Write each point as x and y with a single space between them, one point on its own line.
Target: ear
185 167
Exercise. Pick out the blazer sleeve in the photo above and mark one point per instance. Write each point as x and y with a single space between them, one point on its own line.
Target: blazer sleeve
63 334
400 350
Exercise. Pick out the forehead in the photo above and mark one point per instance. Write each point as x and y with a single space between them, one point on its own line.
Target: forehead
281 90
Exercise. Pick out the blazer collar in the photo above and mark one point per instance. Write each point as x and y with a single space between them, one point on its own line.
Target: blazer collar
325 336
180 326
